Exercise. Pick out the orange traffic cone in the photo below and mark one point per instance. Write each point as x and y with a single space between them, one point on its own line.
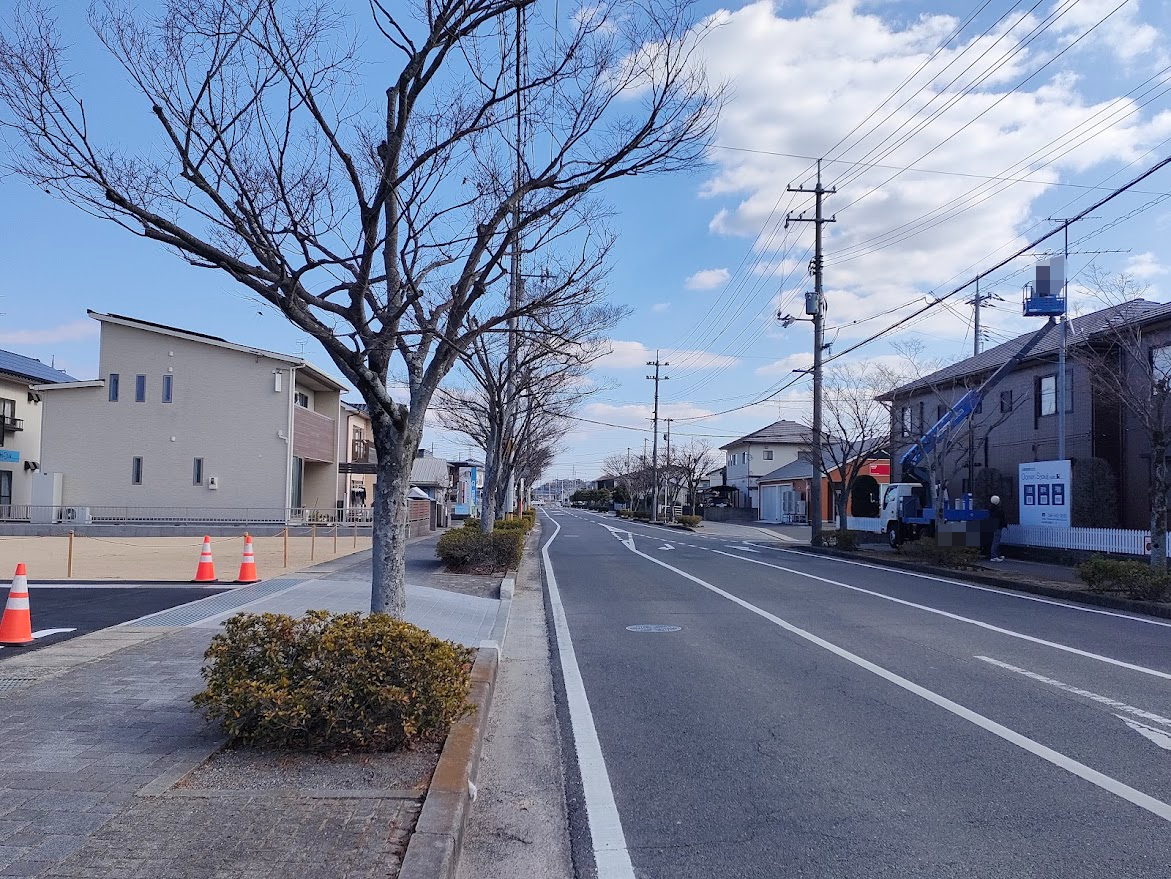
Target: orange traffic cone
17 625
205 573
248 565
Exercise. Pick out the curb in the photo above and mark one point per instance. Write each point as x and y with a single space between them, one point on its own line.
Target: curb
434 848
1149 608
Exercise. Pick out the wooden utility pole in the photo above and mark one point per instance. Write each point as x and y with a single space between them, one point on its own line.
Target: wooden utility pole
656 378
815 307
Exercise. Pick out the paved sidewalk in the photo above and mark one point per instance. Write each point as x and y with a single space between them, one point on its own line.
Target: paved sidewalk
93 721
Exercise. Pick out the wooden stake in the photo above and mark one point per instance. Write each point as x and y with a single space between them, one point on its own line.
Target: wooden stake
69 564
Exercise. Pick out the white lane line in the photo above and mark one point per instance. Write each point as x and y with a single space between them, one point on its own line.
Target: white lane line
611 855
1078 691
1093 776
1159 736
743 549
955 616
44 633
1081 608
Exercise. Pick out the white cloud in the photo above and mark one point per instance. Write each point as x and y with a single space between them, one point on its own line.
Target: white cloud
787 364
660 307
707 279
640 415
71 332
628 355
1145 265
897 237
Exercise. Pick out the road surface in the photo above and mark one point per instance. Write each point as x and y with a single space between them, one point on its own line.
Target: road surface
816 718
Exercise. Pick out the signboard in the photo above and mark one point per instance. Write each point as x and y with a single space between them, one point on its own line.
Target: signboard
9 456
880 468
1045 493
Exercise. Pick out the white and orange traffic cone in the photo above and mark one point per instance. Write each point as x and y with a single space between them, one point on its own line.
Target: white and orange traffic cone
17 625
248 565
205 573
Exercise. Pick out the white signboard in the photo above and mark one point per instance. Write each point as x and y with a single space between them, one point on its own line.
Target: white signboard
1044 493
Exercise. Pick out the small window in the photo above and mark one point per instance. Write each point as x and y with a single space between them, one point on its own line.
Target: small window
301 399
939 412
1047 395
768 454
1161 368
197 472
168 387
113 387
140 389
1005 402
136 471
906 420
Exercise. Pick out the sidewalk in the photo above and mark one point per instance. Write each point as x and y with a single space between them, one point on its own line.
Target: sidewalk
90 722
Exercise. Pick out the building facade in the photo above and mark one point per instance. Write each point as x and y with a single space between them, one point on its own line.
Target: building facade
179 419
758 454
20 429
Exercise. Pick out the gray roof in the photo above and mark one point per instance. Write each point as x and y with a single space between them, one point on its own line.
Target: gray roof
799 469
782 431
26 367
1080 328
429 471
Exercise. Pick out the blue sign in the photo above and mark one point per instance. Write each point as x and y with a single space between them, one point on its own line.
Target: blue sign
9 456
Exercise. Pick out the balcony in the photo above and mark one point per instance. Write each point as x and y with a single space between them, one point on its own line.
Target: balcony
362 452
11 424
314 436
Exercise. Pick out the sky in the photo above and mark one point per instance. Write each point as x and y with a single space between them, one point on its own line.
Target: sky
952 133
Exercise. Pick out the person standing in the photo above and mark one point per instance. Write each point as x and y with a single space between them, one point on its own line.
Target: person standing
999 523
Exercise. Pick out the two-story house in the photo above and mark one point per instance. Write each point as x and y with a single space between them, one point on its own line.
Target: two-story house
1017 421
20 428
181 421
357 463
758 454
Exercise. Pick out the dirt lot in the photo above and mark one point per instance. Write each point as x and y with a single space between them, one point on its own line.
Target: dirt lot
165 558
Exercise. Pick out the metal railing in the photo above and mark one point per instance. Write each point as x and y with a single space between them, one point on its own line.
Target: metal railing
82 514
362 452
8 422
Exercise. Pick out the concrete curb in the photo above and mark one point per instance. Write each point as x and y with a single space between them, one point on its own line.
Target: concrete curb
1149 608
434 848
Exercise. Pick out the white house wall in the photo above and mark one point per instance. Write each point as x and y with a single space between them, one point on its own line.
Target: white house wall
24 445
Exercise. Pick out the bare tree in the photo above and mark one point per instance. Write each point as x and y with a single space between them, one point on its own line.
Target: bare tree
1132 364
691 462
378 230
858 421
635 474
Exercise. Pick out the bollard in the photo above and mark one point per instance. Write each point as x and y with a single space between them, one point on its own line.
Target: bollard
69 563
312 541
355 534
285 564
335 538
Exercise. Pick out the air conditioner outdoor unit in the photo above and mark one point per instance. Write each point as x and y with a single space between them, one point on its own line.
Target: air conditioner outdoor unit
76 516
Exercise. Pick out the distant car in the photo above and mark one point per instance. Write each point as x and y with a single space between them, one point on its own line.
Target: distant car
537 504
721 504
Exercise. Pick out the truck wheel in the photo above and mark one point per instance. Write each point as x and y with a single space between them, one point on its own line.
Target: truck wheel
892 535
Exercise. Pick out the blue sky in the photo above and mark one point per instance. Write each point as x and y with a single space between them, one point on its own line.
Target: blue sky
1038 102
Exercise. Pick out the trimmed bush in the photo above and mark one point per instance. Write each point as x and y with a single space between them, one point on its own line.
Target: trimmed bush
472 523
640 515
625 514
926 550
844 539
690 521
326 682
508 525
1137 580
471 551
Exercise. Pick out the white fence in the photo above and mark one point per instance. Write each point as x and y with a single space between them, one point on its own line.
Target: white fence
1115 540
858 523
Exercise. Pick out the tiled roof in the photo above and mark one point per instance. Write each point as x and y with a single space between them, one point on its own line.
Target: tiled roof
1080 328
782 431
799 469
26 367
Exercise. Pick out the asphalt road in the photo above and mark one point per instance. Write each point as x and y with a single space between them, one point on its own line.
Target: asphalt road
87 609
817 718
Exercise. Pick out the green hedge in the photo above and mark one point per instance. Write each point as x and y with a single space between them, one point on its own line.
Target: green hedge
1137 580
844 539
690 521
326 682
925 549
472 551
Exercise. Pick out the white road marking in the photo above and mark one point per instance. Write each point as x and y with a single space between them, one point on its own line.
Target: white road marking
954 616
780 536
43 633
610 852
1081 608
1078 691
666 546
743 549
1159 736
1093 776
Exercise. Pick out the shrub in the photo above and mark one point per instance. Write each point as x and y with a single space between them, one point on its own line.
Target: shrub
925 549
625 514
640 515
690 521
472 523
844 539
508 525
325 683
1137 580
471 551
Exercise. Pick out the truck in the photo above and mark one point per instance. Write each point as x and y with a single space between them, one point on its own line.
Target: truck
908 508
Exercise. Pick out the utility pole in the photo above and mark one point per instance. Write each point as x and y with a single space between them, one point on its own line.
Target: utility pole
815 306
514 287
671 500
1061 389
656 378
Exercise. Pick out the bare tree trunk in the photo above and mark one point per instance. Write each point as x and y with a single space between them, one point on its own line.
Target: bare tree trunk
488 505
1159 487
396 454
843 517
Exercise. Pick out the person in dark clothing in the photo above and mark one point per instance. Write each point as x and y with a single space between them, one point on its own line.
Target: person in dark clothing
999 523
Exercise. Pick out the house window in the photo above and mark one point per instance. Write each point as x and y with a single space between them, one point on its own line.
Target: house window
1005 402
168 387
7 417
768 454
1161 367
113 387
301 399
1047 395
140 389
197 472
136 471
906 420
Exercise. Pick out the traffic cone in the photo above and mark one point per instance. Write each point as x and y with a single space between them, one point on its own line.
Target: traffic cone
205 573
248 565
17 625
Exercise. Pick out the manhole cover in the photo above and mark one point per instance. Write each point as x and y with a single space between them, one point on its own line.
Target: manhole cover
653 627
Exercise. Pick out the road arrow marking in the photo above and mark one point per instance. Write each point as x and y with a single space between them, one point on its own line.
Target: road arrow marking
1160 737
666 546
